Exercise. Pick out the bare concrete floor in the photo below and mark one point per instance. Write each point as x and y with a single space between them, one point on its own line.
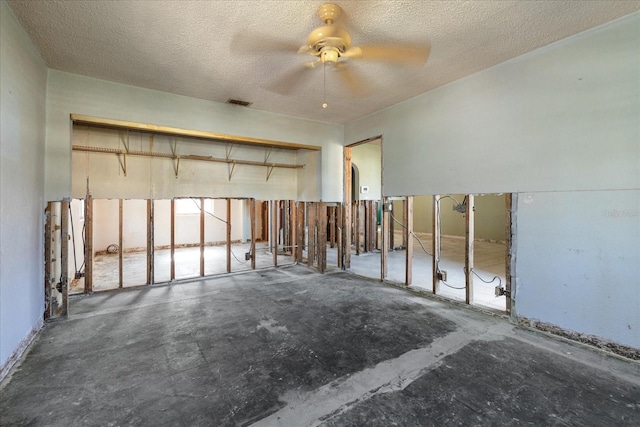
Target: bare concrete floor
291 347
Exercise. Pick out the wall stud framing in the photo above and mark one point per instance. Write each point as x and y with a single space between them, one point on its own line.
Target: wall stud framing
252 206
228 236
469 241
47 259
384 253
322 237
150 242
64 256
120 239
312 212
406 237
332 226
173 239
201 236
511 201
357 225
274 231
300 232
346 214
436 243
293 227
88 236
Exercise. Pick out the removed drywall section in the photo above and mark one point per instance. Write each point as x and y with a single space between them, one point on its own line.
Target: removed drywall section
564 117
23 86
577 262
69 93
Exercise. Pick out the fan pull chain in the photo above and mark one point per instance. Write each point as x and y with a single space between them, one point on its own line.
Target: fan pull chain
324 85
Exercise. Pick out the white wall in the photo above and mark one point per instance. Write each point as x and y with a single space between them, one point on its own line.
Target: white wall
578 262
368 159
69 93
23 81
561 118
564 119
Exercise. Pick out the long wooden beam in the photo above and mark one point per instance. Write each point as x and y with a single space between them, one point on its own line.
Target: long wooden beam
346 214
384 253
201 236
48 227
274 231
252 206
510 203
173 239
150 243
189 133
322 236
228 235
88 251
120 240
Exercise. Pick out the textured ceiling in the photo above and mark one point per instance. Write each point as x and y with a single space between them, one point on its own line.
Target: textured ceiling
191 47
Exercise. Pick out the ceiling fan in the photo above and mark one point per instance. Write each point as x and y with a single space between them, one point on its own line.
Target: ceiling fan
332 46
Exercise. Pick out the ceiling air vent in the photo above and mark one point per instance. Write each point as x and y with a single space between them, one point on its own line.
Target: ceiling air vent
238 102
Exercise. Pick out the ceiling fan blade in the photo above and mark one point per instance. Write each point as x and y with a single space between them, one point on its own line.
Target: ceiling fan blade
289 81
405 54
358 85
252 43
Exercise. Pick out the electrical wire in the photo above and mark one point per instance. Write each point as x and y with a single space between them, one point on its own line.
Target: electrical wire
485 281
412 234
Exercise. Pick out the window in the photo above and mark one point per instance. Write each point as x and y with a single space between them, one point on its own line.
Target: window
192 206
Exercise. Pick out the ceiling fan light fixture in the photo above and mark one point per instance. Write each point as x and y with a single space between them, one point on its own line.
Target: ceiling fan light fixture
329 55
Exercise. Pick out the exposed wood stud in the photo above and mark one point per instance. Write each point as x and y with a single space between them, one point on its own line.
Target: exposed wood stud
252 207
88 236
332 226
201 236
408 230
435 233
384 253
346 225
510 201
175 157
293 227
468 255
392 228
300 232
189 133
274 231
357 219
47 259
120 241
322 237
173 239
150 242
312 211
231 167
339 236
228 236
64 256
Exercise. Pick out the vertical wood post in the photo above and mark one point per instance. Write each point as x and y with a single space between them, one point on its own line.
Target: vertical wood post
64 255
300 232
274 231
339 235
47 260
322 237
88 238
120 242
150 242
356 226
229 236
293 227
201 236
392 228
252 206
435 234
374 225
346 224
406 237
510 201
312 211
173 239
332 226
384 254
468 256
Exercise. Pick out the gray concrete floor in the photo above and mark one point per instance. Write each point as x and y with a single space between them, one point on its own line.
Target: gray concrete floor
291 347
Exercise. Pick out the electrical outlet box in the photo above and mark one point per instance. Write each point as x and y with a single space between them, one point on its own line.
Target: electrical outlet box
442 275
247 256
